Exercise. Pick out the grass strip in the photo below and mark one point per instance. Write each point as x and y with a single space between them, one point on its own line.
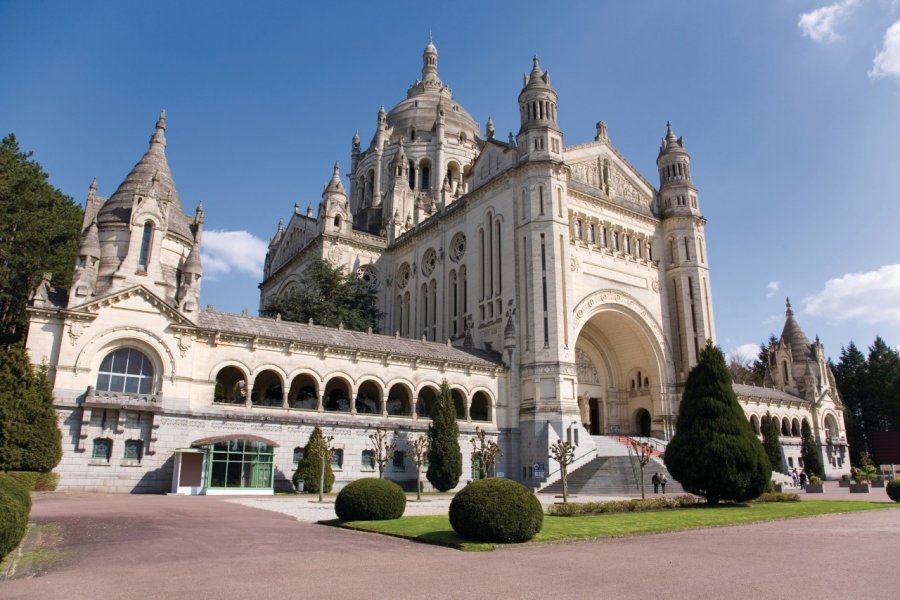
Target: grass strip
436 529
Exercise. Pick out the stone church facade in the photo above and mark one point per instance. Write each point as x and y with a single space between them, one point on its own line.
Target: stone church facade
557 291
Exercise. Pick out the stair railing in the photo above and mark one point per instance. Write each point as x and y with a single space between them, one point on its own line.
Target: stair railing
631 459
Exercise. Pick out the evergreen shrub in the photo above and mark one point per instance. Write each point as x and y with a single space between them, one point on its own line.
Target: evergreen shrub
496 510
444 458
370 499
309 469
15 506
893 490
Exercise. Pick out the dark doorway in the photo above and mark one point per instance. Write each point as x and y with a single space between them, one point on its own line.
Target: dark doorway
643 422
594 407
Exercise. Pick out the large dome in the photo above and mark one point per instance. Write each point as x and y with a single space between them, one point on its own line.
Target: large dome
419 110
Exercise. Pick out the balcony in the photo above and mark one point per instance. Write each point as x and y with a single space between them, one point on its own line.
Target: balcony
117 400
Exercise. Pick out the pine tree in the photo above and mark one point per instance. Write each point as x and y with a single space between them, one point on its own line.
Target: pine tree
444 458
309 469
809 452
30 439
39 231
771 443
714 452
850 376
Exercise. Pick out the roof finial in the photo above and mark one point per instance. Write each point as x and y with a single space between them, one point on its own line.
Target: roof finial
92 190
159 136
788 310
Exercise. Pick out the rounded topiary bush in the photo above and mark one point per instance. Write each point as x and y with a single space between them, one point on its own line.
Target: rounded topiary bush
370 499
496 510
893 490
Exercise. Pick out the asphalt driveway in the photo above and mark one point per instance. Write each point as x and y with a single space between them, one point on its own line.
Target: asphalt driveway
141 546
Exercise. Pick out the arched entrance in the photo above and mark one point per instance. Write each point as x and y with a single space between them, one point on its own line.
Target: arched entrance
643 423
615 347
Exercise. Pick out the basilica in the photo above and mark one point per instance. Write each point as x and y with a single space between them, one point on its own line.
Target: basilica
557 291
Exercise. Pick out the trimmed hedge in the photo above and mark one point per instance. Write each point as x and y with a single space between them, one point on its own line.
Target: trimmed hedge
36 482
776 497
496 510
15 506
893 490
578 509
370 499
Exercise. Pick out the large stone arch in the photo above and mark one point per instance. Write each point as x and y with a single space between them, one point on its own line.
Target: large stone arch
155 348
617 338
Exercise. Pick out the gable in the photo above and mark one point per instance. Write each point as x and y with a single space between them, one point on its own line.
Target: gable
137 304
493 159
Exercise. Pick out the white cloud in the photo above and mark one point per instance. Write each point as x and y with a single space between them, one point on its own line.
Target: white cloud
820 24
887 62
773 288
227 251
744 354
872 297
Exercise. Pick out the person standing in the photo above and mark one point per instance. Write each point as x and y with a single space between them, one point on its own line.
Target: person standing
655 481
663 480
803 480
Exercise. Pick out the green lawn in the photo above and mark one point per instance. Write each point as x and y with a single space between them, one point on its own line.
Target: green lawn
436 529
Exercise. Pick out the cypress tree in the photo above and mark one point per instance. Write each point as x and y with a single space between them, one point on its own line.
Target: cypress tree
714 452
444 458
30 439
309 469
771 442
809 451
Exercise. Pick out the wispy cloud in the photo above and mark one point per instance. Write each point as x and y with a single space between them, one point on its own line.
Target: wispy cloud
744 354
227 251
887 61
872 297
773 288
820 25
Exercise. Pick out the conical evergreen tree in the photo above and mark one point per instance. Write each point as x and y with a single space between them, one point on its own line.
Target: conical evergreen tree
444 459
714 453
809 451
309 469
30 439
771 443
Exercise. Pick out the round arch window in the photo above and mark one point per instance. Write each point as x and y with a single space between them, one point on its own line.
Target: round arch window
125 370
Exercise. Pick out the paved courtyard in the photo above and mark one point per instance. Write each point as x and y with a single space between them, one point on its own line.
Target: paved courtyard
131 546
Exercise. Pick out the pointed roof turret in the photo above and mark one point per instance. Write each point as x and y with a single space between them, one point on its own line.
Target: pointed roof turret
334 185
90 241
537 77
152 166
192 263
671 143
793 336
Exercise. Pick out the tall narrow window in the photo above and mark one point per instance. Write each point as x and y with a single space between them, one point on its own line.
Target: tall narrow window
541 199
687 249
145 245
499 260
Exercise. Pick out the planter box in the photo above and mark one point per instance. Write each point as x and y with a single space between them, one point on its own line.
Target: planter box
859 488
877 484
843 483
812 488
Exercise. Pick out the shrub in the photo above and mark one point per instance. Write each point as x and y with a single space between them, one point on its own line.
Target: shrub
496 510
15 505
577 509
370 499
715 453
776 497
809 451
815 480
309 469
893 490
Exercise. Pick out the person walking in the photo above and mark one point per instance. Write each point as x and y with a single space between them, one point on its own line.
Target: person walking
663 480
803 480
655 481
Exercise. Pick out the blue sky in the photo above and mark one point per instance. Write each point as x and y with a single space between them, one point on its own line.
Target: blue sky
790 109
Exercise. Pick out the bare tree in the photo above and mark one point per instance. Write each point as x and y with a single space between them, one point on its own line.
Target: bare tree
643 452
385 444
486 451
421 445
564 453
320 447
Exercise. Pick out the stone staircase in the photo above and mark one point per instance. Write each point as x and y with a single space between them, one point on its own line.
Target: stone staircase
613 473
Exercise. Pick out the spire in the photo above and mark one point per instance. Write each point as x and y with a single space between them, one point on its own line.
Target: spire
356 140
490 128
309 210
788 312
92 190
671 142
159 136
794 336
192 262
